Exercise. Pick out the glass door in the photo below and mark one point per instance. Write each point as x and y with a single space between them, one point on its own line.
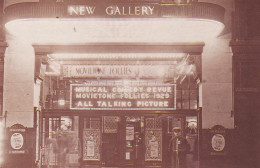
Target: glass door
123 141
60 145
134 140
111 141
182 140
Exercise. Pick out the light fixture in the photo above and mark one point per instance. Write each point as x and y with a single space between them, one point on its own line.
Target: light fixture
61 102
61 31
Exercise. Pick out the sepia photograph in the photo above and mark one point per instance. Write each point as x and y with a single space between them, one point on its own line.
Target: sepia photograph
129 83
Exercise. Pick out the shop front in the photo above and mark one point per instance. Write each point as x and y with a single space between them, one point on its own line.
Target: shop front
119 112
110 81
115 140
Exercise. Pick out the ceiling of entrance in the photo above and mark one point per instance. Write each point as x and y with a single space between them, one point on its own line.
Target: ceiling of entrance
95 30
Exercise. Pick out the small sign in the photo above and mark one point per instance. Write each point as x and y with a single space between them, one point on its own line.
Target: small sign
130 133
127 156
17 139
218 140
90 148
154 148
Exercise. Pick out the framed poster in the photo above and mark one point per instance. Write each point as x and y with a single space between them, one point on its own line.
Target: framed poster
91 143
153 144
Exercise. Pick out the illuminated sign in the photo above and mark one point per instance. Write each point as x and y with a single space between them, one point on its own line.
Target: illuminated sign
85 10
112 10
134 97
116 71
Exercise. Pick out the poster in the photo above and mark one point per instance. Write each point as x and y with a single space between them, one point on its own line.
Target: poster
91 145
90 148
154 148
153 144
130 133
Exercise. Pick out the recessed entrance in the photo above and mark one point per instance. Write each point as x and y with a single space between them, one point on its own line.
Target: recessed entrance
116 140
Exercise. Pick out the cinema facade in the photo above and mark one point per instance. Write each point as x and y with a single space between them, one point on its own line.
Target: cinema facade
103 83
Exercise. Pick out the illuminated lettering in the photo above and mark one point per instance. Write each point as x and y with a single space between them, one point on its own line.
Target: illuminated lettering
81 10
95 96
128 10
134 96
159 89
127 89
120 96
85 104
161 95
137 10
90 89
109 10
152 103
114 104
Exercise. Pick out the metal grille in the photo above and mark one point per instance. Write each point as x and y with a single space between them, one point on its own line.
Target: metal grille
110 124
158 123
95 123
149 123
153 123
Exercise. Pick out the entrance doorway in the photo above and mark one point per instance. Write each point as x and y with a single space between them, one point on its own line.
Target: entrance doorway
125 141
116 140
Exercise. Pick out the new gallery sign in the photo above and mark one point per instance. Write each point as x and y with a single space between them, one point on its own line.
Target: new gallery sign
96 8
111 10
134 97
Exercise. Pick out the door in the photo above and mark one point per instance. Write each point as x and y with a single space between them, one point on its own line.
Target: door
182 142
111 141
124 141
60 141
134 138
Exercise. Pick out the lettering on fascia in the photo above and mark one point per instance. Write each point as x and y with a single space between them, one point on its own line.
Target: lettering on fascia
81 10
129 10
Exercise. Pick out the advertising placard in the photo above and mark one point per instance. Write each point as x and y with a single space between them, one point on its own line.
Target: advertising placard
17 139
91 144
218 140
134 97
